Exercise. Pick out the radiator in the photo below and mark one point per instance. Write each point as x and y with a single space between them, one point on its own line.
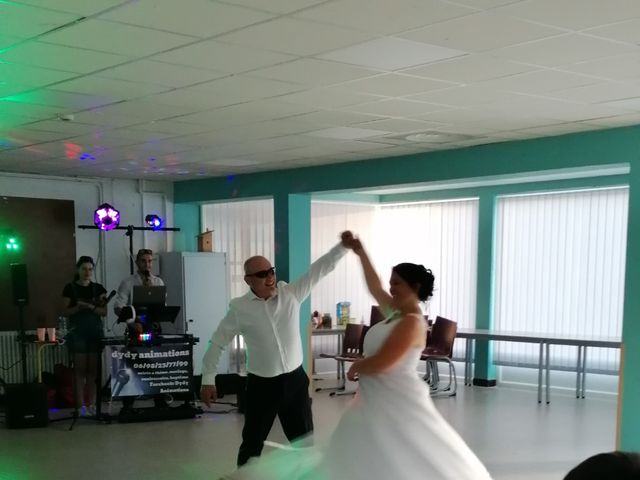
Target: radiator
10 366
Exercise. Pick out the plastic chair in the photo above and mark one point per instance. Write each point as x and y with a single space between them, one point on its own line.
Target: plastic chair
351 351
439 348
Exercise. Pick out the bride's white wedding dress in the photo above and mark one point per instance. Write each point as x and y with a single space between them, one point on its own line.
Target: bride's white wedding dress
391 430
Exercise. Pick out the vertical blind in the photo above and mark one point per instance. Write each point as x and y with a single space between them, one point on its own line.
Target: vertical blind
443 236
241 229
346 282
560 262
440 235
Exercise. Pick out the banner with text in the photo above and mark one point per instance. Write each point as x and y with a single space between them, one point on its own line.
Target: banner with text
150 370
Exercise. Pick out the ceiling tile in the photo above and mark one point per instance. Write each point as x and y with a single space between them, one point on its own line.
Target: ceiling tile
469 69
335 117
116 89
539 107
382 17
59 126
626 103
70 102
202 18
539 82
310 38
559 129
619 67
246 113
391 53
6 41
99 118
599 92
276 6
160 73
347 133
328 97
24 21
144 110
314 72
12 73
574 14
80 7
11 89
481 32
170 128
11 121
486 4
117 38
564 50
222 57
396 125
616 121
395 85
397 108
9 108
228 91
62 58
628 31
26 136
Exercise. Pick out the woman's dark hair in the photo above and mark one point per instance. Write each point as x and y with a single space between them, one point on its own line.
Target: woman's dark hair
85 259
81 260
418 277
618 465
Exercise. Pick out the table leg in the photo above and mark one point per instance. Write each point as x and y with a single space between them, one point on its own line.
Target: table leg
540 359
578 371
584 370
340 363
39 350
547 366
467 360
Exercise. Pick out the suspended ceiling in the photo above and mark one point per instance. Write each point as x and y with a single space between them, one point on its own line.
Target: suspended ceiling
162 89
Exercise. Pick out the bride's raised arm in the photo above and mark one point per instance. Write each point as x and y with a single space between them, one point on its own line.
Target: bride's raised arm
373 280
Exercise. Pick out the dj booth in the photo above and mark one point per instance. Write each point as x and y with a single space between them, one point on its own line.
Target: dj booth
149 366
147 363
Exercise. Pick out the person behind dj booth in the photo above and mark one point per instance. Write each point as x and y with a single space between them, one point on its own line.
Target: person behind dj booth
124 297
84 303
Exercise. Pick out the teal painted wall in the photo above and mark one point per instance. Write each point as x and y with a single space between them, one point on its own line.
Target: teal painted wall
187 219
292 221
581 150
629 401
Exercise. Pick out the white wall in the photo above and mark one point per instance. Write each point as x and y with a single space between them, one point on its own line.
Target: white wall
134 199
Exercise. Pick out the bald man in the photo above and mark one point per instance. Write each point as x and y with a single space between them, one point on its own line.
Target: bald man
268 317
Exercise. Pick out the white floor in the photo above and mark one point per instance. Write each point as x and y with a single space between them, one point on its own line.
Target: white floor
514 436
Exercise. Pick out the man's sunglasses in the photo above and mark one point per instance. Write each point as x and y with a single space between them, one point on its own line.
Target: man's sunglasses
262 273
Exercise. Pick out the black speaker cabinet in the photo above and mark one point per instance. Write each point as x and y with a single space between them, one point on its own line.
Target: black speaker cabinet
19 283
26 405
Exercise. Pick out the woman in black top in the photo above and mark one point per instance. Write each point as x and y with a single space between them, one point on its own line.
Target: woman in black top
84 304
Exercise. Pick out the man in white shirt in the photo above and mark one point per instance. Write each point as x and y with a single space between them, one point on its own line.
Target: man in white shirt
124 297
268 317
143 277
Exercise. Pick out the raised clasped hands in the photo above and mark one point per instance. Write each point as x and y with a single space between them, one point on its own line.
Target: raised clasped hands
351 242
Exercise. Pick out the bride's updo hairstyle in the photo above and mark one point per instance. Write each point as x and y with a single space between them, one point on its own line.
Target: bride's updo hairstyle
417 277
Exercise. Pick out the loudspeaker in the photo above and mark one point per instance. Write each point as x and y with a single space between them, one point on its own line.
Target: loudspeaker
26 405
19 283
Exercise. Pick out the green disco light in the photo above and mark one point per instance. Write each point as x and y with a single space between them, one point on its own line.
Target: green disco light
12 244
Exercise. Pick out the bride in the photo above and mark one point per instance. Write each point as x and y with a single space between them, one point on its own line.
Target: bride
391 430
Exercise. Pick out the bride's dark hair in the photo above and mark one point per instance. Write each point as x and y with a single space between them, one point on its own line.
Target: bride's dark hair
418 277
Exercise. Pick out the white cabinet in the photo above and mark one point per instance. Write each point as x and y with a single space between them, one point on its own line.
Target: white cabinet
199 283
